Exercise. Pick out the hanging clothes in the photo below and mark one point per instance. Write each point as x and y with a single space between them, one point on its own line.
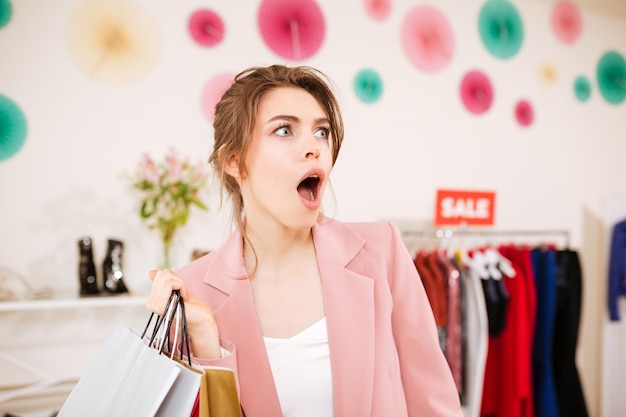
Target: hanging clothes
515 387
544 263
518 333
475 337
617 269
569 393
508 384
435 291
454 331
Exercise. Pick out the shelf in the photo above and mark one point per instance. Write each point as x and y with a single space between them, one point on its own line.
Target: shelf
67 300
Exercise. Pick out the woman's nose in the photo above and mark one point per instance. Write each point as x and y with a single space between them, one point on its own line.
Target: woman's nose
312 150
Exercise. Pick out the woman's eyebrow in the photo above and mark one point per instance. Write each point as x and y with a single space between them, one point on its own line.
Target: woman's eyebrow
294 119
284 117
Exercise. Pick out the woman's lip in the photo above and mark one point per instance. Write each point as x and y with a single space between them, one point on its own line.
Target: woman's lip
313 173
310 204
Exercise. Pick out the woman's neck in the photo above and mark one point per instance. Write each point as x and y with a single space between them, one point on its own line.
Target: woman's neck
276 250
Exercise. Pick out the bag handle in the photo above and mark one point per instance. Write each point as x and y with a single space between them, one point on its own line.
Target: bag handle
163 325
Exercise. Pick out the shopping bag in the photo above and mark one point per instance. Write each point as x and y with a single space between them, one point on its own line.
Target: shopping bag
133 375
218 394
181 398
127 378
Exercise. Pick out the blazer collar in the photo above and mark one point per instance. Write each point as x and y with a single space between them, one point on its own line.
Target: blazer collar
349 305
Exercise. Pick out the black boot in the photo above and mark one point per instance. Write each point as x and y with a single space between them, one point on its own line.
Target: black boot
112 268
87 268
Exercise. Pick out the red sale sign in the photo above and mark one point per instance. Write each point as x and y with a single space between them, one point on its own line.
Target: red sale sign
456 207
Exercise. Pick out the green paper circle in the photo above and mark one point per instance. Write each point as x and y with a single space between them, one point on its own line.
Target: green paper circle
6 11
368 86
582 88
501 28
12 128
611 75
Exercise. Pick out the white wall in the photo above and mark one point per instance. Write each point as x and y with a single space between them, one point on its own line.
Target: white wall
66 180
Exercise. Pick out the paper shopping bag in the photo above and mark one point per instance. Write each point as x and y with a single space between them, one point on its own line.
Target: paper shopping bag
127 378
218 394
182 396
132 376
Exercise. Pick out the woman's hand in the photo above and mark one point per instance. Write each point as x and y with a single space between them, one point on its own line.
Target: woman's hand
201 325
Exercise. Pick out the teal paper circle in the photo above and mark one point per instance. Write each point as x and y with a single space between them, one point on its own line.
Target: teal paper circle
611 75
12 128
501 28
582 88
6 11
368 85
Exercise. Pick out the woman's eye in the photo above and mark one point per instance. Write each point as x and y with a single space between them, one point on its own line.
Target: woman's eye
283 131
322 132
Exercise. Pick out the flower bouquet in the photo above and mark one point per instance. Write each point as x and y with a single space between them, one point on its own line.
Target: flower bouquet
168 189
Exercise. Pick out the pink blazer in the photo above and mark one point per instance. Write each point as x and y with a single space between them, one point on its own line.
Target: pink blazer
384 352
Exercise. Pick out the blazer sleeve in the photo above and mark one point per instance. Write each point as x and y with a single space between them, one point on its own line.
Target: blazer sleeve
427 379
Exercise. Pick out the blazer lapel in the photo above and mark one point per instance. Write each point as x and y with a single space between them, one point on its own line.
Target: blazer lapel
349 304
239 324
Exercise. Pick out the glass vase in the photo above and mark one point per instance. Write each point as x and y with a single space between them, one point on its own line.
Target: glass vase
166 254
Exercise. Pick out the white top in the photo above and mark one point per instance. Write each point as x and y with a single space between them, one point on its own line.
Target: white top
301 369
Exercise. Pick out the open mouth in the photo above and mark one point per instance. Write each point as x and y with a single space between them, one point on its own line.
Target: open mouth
309 187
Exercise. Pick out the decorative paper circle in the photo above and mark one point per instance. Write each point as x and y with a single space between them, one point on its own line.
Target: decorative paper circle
524 113
292 29
501 28
12 128
112 41
368 86
548 74
6 11
427 38
567 22
582 88
378 9
476 92
611 76
206 27
213 92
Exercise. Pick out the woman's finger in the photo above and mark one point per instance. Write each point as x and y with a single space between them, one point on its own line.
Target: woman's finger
163 283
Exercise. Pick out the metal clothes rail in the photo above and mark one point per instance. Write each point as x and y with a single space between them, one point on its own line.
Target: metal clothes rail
449 233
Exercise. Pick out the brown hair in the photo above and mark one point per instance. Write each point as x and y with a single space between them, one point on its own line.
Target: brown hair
235 116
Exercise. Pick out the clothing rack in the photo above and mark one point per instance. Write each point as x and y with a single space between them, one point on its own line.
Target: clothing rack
449 233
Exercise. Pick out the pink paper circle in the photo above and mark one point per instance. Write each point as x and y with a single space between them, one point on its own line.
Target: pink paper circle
213 92
206 27
476 92
427 38
524 113
378 9
567 22
292 29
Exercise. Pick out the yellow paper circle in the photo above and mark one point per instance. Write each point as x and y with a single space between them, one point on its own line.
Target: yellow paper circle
113 41
548 74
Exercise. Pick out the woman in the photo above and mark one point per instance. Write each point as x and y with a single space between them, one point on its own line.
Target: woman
315 316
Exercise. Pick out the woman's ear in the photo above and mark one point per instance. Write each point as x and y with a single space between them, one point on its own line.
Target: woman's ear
232 166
